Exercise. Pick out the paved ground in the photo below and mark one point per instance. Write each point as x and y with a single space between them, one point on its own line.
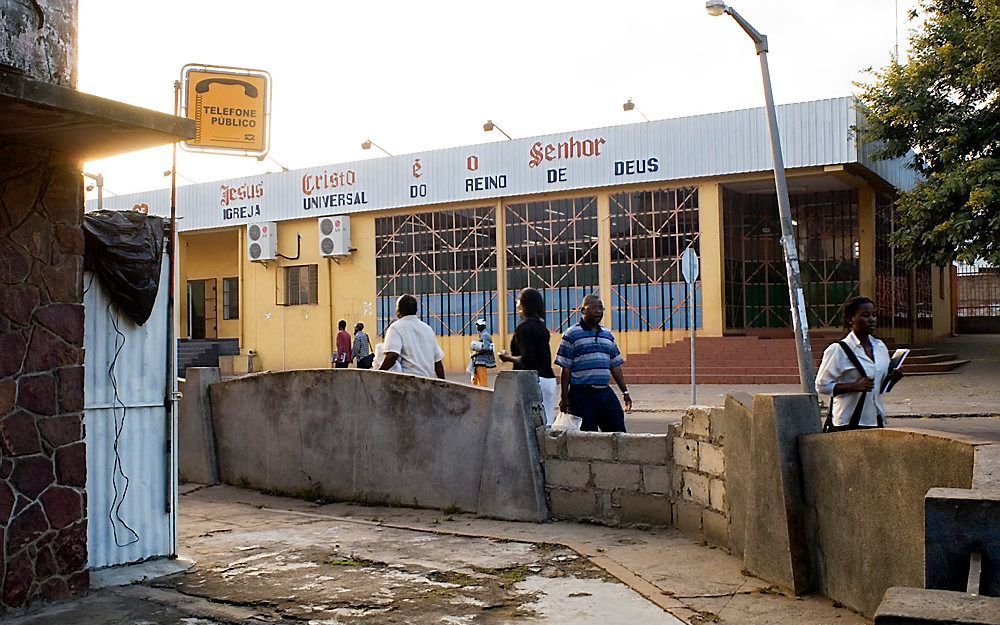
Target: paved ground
262 559
973 389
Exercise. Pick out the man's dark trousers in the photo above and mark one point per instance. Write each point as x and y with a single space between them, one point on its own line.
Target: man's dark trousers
598 407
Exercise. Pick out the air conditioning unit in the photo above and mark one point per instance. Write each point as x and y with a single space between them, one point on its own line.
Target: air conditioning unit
262 241
335 235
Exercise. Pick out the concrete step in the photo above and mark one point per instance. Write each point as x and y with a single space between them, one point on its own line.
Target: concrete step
643 378
928 358
933 367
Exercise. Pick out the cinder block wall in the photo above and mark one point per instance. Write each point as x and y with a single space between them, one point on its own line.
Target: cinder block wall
700 508
675 479
614 479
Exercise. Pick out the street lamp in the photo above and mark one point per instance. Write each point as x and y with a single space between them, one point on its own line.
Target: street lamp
490 126
179 175
795 296
630 106
368 143
99 179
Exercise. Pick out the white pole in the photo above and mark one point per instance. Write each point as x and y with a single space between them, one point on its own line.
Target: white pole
691 322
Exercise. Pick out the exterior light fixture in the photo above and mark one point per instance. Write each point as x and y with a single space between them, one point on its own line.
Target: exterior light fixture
99 180
489 126
367 144
630 106
796 297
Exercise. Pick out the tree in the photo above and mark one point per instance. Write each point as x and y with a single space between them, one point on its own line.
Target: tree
944 104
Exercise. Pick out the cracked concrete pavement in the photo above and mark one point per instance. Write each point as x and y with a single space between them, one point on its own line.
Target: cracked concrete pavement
266 559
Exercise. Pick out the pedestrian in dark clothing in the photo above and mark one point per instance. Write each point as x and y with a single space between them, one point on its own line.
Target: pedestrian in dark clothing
530 350
361 352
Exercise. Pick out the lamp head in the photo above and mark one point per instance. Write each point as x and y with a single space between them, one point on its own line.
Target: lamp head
366 144
167 173
488 126
89 187
716 7
628 106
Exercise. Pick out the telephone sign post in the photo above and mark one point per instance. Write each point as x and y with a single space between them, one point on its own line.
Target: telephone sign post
689 269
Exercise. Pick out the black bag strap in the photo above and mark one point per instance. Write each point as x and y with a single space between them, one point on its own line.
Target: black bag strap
856 416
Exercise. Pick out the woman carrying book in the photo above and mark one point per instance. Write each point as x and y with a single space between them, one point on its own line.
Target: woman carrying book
855 371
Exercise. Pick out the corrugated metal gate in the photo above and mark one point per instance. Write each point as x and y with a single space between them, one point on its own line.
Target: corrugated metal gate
131 501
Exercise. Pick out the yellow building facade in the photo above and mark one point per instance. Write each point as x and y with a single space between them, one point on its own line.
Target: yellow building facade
583 219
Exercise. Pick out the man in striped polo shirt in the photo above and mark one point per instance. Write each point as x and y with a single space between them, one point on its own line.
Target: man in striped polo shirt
589 359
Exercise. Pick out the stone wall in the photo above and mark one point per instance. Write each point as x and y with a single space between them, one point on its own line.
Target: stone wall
700 508
43 511
613 479
39 39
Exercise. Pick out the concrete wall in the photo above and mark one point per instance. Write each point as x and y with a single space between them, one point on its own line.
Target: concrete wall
43 464
384 438
864 493
609 478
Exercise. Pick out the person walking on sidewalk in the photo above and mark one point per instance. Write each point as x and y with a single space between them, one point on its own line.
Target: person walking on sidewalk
411 342
361 352
589 358
343 356
530 351
483 358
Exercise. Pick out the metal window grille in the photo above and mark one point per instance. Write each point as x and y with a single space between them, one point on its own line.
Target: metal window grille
301 285
230 298
756 284
649 232
978 290
924 298
892 278
552 247
447 260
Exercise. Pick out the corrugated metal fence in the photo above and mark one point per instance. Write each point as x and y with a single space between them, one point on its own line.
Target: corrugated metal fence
129 480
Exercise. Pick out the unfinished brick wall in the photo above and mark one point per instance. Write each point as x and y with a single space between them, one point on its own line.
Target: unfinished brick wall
614 479
699 487
43 466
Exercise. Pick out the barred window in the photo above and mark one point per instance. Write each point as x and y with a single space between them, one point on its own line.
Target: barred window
230 298
892 277
447 260
649 232
552 247
301 285
924 300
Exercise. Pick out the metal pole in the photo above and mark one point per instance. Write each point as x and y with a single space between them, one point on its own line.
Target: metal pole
691 323
100 191
796 298
169 401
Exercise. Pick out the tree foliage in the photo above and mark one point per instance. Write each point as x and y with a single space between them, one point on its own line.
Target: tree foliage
944 104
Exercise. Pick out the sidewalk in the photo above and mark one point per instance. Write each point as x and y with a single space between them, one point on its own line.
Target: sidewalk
267 559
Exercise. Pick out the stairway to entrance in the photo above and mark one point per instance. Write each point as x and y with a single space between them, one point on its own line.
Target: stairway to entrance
756 360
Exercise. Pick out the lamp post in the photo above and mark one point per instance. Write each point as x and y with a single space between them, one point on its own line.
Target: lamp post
796 298
99 179
489 126
368 143
630 106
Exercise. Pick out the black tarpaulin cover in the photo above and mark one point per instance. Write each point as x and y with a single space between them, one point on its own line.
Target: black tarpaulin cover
124 249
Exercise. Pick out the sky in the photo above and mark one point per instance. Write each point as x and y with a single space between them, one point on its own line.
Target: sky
415 76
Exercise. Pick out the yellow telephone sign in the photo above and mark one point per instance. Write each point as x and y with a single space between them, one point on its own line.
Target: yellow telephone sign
231 109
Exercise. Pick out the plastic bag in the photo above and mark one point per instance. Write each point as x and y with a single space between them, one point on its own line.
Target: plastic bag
124 249
567 422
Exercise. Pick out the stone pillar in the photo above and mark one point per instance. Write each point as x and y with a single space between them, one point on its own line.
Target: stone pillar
866 241
712 262
43 460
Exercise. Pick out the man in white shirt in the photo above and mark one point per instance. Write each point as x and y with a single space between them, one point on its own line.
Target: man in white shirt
411 342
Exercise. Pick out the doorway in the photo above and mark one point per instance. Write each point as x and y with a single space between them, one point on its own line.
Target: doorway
202 305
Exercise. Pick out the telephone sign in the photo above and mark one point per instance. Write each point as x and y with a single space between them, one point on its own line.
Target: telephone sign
231 108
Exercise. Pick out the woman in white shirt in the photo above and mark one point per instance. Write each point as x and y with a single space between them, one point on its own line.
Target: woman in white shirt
856 399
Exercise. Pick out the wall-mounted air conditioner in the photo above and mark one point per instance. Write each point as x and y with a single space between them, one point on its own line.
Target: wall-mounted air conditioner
262 241
335 235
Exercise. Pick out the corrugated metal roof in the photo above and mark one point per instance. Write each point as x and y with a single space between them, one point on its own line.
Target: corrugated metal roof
812 134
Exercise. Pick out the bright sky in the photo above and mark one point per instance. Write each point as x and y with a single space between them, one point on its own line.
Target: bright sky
415 76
